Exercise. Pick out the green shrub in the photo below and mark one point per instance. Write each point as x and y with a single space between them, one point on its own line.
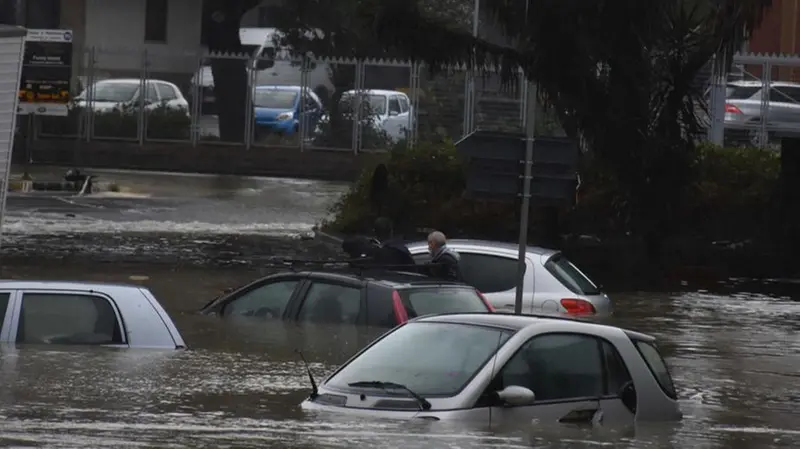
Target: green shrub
162 123
730 196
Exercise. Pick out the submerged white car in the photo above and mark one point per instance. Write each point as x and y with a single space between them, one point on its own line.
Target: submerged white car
552 284
77 313
505 369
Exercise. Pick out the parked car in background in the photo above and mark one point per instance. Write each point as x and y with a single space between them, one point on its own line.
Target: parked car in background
78 313
269 64
504 369
282 110
552 283
106 95
743 112
391 111
372 298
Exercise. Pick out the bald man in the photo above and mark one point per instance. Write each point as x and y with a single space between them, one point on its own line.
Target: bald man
444 260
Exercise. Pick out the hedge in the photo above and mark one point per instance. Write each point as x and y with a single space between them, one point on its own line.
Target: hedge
731 197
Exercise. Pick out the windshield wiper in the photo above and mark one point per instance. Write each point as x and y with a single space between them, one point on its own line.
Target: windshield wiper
423 403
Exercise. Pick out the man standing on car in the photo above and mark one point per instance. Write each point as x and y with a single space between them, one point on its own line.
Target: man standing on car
444 260
391 252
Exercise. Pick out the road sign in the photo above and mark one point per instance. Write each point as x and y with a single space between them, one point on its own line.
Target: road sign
46 73
496 163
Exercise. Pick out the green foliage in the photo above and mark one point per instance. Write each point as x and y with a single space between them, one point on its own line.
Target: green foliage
730 197
162 123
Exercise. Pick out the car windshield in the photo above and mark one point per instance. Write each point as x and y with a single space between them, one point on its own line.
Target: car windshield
736 92
569 275
429 301
113 92
275 99
372 104
431 359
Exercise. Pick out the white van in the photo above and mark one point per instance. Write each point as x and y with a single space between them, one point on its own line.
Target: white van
260 44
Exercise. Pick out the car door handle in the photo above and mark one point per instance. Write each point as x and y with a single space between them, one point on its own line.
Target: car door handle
586 415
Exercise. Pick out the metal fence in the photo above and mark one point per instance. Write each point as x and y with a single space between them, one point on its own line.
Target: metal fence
757 103
354 105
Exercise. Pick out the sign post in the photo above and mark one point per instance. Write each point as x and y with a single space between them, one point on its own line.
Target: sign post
46 73
524 211
517 167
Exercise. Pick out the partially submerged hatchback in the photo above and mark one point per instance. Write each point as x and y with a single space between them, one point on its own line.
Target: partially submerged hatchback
358 297
79 313
551 284
506 369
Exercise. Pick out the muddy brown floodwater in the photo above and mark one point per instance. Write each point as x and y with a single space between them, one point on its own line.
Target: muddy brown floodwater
734 354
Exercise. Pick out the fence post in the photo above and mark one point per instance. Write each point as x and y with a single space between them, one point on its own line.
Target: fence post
411 136
88 112
141 116
249 108
359 88
716 130
305 67
766 82
196 106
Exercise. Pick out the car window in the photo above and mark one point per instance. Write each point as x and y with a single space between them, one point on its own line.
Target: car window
428 301
784 94
167 92
734 92
657 366
266 301
63 318
4 297
331 304
432 359
557 367
394 105
570 276
151 93
618 374
404 107
380 308
489 274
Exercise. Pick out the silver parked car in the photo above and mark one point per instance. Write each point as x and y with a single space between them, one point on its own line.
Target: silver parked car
743 112
77 313
552 283
504 369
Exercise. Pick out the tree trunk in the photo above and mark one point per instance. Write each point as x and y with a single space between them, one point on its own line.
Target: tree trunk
222 20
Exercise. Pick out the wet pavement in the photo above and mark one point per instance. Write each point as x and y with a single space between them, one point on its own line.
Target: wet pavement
734 349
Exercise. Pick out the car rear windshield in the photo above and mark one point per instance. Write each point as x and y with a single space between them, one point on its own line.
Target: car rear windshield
734 92
570 276
657 366
429 301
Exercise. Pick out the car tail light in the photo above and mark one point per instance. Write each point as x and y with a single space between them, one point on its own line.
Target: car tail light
731 109
486 301
576 306
399 310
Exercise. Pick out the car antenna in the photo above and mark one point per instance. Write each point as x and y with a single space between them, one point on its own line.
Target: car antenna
494 365
314 389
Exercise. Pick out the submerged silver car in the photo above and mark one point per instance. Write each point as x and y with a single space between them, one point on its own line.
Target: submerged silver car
502 368
77 313
552 283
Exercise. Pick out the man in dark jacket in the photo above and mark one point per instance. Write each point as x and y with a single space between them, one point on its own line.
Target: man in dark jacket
445 261
390 252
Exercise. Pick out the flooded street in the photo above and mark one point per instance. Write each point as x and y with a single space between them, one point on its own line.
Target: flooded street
734 351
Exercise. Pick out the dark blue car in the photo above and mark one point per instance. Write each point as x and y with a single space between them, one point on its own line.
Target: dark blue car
281 110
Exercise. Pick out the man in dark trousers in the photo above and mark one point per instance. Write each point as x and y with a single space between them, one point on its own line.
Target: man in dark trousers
390 252
445 261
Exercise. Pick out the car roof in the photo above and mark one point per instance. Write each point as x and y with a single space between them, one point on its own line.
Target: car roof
761 84
539 251
278 87
129 81
386 278
377 92
516 323
12 284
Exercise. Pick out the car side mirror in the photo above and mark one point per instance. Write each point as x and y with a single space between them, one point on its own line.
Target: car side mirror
516 395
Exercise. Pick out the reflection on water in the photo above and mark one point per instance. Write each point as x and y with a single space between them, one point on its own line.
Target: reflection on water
735 358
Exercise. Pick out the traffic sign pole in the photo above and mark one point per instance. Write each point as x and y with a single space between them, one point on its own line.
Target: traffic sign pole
530 130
